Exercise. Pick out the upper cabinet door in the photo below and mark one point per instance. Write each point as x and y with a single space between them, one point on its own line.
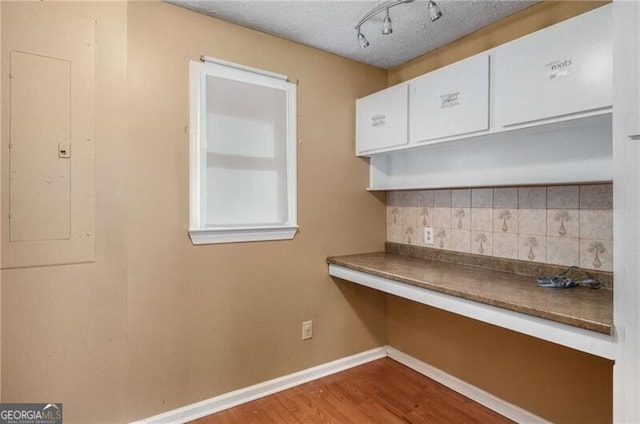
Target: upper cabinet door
451 101
557 72
381 120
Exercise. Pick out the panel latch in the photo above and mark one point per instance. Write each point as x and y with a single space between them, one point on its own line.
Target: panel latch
64 150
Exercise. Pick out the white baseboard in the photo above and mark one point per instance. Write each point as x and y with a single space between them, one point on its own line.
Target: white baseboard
474 393
247 394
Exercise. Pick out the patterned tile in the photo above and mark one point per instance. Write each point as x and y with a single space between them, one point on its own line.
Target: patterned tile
425 216
409 234
482 243
461 218
563 223
505 221
442 239
532 248
596 254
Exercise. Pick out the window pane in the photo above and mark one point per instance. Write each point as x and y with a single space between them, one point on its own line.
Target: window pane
246 154
245 197
244 119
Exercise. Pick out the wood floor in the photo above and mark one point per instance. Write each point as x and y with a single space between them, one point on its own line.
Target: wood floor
381 391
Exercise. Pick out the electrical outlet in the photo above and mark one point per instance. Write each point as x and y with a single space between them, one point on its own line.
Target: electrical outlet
307 330
428 235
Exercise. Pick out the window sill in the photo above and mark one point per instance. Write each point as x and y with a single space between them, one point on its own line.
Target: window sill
241 235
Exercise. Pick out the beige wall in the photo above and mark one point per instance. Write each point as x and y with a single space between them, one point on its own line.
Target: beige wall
157 323
552 381
557 383
204 320
64 327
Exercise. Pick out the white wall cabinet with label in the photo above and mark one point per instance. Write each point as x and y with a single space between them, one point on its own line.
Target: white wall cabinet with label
381 120
451 101
556 73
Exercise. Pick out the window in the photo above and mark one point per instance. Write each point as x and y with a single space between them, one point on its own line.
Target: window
243 154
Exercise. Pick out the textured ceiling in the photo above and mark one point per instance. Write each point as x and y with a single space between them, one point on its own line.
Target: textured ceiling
329 24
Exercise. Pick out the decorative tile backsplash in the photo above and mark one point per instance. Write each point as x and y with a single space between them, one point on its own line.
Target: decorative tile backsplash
562 225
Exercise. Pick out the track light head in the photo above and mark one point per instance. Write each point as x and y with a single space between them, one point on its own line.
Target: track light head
386 25
362 40
434 11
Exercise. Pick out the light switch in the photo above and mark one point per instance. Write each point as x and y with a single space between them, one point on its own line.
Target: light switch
64 150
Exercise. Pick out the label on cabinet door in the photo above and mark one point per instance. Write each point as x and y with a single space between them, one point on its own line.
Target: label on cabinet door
449 100
378 121
558 68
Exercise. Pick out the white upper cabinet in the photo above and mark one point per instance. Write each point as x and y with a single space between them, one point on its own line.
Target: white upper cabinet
556 73
451 101
381 120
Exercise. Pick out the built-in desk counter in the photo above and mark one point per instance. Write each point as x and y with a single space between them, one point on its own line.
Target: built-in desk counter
580 318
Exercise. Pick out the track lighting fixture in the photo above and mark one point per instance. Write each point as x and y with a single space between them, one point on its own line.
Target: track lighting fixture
434 13
386 24
362 40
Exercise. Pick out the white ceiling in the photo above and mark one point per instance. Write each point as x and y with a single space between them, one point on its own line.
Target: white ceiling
329 24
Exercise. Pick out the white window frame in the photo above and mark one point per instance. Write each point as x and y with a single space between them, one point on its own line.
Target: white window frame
199 232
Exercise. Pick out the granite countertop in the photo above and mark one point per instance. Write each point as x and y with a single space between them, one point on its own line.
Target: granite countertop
579 306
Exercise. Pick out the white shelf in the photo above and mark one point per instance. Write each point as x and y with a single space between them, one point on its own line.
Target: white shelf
575 151
591 342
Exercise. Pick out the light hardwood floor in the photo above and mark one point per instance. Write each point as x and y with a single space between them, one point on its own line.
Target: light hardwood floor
381 391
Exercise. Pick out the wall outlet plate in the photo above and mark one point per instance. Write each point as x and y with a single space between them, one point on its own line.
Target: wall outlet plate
428 235
307 330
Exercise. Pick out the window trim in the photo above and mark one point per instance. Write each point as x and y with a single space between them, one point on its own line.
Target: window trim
200 234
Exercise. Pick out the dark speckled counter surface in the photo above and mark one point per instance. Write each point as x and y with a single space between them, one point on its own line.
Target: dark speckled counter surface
580 306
